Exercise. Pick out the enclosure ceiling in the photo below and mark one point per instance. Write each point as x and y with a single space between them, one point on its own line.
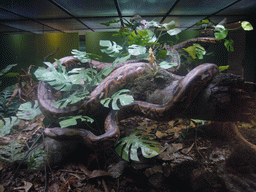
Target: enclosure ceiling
50 16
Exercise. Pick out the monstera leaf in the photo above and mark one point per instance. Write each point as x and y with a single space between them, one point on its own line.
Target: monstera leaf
112 48
6 124
58 79
28 111
128 147
119 96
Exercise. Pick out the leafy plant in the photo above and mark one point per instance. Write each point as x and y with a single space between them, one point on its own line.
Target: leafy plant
37 159
196 51
223 68
5 95
85 57
6 124
120 96
72 120
57 78
221 33
128 147
12 152
27 111
112 48
4 72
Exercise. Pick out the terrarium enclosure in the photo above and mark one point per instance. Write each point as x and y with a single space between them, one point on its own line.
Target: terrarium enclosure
125 95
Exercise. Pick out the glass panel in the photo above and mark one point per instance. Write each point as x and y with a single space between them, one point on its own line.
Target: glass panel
28 26
145 7
82 8
183 22
242 7
34 9
204 7
95 23
65 24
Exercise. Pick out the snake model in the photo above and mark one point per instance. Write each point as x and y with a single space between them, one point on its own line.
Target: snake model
185 92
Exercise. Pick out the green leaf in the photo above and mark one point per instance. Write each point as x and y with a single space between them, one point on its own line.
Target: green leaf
59 80
191 51
154 24
72 99
220 32
246 26
6 69
229 44
84 57
137 49
200 51
120 96
78 74
72 120
128 147
167 65
112 48
174 31
170 25
6 124
110 22
11 74
27 111
205 21
11 152
223 68
120 60
198 121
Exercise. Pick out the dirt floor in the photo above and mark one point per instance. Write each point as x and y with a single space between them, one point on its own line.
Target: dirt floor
190 160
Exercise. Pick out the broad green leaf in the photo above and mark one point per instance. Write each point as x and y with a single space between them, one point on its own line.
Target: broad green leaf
71 99
6 124
220 32
137 50
174 31
200 51
170 25
128 147
223 68
191 50
154 24
167 65
246 26
229 44
110 22
81 73
72 120
198 121
82 56
120 96
205 21
112 48
6 69
122 59
59 80
105 102
27 111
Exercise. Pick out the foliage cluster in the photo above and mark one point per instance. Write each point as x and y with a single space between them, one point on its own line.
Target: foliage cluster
141 42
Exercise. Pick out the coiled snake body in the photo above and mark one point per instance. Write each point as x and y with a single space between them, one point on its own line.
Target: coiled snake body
186 91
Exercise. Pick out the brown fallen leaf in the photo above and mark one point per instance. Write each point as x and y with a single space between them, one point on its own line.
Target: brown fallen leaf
160 135
117 169
187 150
27 186
99 173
